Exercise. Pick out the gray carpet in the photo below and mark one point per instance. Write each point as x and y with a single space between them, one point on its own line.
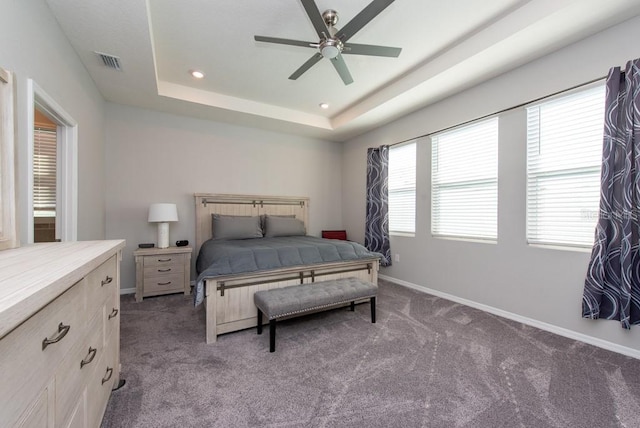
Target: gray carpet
427 362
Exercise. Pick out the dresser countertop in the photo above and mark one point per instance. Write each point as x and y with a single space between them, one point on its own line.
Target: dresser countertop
33 275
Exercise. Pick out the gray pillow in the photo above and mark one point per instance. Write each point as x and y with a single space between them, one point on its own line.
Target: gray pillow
235 227
263 219
283 226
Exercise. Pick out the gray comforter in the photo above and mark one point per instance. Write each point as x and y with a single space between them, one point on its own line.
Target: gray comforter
226 257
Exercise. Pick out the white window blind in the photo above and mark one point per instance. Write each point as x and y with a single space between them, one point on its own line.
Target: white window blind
564 155
44 172
402 188
464 180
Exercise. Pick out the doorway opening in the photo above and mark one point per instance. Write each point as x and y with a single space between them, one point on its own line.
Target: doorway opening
52 190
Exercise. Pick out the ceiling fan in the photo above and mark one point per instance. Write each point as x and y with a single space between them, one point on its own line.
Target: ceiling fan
333 42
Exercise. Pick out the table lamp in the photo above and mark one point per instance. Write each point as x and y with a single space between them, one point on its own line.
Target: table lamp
163 214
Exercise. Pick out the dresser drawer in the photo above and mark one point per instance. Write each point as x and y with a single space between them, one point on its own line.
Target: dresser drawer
111 317
101 283
102 382
34 349
77 368
163 260
163 284
37 415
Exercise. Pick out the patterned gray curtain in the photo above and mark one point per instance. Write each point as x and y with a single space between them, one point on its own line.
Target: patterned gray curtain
612 286
376 235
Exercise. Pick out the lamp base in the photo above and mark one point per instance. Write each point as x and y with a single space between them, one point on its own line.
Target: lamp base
163 235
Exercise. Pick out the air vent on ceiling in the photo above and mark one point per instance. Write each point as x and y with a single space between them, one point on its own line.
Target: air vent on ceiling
110 61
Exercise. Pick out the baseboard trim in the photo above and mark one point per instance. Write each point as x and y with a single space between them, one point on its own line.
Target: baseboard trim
609 346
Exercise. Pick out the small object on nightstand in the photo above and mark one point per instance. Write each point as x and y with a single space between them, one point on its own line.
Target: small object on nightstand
182 243
149 245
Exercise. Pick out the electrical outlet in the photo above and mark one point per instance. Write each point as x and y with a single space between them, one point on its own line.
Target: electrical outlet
397 257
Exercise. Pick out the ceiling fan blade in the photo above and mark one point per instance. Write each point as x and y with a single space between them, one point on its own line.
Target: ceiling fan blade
361 19
316 18
307 65
285 41
341 68
373 50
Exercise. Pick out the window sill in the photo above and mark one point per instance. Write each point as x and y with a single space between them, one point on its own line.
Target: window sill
463 239
403 234
559 247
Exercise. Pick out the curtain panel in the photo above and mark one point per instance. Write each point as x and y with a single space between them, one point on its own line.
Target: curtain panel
612 285
376 236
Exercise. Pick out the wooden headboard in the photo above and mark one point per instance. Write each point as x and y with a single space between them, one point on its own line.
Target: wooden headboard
250 205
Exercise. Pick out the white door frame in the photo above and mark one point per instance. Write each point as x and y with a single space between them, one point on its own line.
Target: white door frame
67 167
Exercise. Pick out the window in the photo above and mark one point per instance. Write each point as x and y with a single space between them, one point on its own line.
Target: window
464 180
564 150
44 172
402 189
8 235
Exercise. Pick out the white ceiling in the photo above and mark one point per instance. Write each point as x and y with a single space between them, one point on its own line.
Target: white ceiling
447 46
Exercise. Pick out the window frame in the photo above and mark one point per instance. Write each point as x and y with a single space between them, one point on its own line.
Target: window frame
440 186
533 232
410 189
8 231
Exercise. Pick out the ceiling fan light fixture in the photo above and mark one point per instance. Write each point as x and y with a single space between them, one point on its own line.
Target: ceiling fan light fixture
197 74
331 48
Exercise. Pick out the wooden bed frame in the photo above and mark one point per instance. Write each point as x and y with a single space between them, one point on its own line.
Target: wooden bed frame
229 299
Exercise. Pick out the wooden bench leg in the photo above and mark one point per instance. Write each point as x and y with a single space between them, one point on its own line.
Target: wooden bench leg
353 306
259 321
373 310
272 335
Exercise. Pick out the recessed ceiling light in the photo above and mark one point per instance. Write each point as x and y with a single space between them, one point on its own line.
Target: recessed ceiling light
324 105
197 74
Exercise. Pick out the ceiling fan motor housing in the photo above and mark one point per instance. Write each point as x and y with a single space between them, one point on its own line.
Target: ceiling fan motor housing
330 17
330 47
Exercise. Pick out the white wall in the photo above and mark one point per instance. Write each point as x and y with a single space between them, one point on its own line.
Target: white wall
33 46
541 284
159 157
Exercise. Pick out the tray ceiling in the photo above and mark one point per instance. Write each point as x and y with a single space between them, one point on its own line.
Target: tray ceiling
446 47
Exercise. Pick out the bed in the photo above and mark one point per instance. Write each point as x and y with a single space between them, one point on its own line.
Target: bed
227 294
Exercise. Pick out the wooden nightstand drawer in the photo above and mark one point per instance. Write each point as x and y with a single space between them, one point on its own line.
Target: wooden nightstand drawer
162 271
164 284
164 260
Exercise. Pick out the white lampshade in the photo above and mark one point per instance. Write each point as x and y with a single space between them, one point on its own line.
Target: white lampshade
163 212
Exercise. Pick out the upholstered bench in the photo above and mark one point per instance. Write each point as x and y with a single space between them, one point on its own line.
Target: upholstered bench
299 299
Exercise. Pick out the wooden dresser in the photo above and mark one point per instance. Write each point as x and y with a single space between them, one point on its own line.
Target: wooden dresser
59 333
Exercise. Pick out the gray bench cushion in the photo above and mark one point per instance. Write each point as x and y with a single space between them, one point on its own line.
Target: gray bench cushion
294 299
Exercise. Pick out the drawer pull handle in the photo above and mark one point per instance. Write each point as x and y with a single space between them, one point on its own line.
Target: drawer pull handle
107 375
164 260
62 332
90 356
164 283
164 270
113 313
107 281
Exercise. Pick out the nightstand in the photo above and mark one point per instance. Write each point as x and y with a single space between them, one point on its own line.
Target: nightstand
162 271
